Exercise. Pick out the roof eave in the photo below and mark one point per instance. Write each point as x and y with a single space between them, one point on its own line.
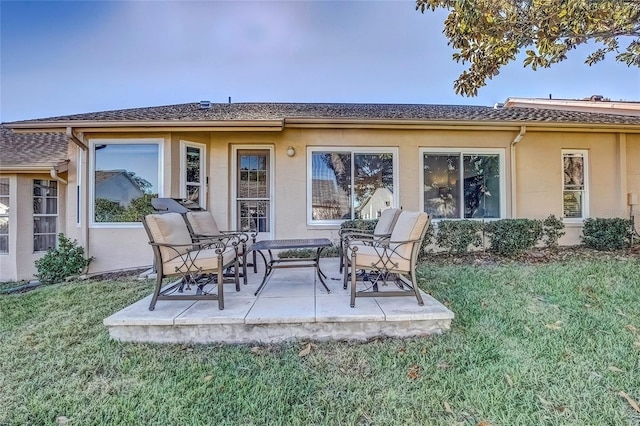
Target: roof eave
155 125
299 122
60 166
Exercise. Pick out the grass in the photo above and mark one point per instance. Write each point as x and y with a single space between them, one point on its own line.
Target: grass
541 344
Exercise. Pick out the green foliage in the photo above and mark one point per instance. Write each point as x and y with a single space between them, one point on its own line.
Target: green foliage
64 261
365 225
111 211
512 237
428 239
488 34
309 253
552 230
606 234
456 236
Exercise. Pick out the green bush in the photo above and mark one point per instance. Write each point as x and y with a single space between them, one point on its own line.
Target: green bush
513 237
456 236
64 261
366 225
606 234
552 230
309 253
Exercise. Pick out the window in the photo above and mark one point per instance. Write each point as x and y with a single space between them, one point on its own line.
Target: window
45 214
192 172
463 184
574 184
353 184
126 176
4 215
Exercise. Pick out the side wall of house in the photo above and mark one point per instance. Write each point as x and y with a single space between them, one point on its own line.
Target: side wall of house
633 172
19 263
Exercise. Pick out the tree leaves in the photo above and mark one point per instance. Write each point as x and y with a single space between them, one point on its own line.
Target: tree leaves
488 34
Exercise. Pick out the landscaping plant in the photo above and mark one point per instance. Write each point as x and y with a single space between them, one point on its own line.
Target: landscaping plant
61 262
513 237
456 236
606 234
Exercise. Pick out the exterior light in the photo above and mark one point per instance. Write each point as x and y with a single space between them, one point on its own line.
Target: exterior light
291 151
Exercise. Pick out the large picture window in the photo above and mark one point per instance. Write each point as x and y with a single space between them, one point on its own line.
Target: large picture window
350 184
125 178
4 215
574 184
463 184
45 214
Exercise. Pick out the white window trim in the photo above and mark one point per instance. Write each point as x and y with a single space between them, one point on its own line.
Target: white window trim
80 205
585 199
234 184
353 150
203 172
7 215
467 151
56 215
92 175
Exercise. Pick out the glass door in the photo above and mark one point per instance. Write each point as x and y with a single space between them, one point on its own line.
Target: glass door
253 190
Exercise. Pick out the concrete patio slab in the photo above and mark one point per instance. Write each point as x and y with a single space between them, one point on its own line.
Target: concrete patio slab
293 306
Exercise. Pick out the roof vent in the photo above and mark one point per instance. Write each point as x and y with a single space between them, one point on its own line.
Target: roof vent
205 105
596 98
498 105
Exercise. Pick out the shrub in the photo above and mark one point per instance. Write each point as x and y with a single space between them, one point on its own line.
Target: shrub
308 253
366 225
456 236
512 237
64 261
552 230
426 242
606 234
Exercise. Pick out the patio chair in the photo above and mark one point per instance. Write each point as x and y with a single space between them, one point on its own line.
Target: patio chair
382 231
196 264
388 261
202 225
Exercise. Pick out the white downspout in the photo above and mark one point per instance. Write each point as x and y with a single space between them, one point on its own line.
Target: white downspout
518 138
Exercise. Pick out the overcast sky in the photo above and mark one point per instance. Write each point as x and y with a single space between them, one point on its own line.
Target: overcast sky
60 58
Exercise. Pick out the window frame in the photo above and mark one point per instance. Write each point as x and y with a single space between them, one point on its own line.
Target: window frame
92 176
203 171
353 150
56 215
461 152
7 214
585 191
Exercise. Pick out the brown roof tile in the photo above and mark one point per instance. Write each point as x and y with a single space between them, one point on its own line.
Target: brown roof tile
32 149
329 111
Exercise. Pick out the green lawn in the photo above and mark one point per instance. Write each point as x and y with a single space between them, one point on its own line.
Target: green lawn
546 344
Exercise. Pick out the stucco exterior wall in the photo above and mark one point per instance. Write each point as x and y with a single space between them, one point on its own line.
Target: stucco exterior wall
613 165
19 264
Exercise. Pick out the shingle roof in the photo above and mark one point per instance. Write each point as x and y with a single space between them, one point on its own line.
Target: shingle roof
192 112
32 149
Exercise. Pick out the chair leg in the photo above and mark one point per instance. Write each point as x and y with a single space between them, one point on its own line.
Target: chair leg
414 283
156 291
237 274
244 268
341 257
220 284
353 280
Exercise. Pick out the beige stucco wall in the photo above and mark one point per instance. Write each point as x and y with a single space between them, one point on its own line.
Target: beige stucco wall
19 264
538 181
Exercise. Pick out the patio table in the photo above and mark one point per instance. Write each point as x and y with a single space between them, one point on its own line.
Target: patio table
270 265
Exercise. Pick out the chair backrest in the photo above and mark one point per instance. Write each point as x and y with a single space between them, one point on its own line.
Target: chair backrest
411 225
386 221
202 223
168 228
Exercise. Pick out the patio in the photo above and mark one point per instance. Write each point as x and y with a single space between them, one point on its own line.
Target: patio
293 305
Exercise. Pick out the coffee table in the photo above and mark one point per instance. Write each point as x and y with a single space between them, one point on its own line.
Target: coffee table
270 265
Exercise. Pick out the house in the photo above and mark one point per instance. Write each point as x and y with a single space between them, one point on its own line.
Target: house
298 170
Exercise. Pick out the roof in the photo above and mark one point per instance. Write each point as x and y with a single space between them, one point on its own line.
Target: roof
192 114
593 104
32 150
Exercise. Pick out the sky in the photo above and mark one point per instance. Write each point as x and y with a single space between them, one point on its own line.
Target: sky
68 57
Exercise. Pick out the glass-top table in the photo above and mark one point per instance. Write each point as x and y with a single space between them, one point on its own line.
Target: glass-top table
298 262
